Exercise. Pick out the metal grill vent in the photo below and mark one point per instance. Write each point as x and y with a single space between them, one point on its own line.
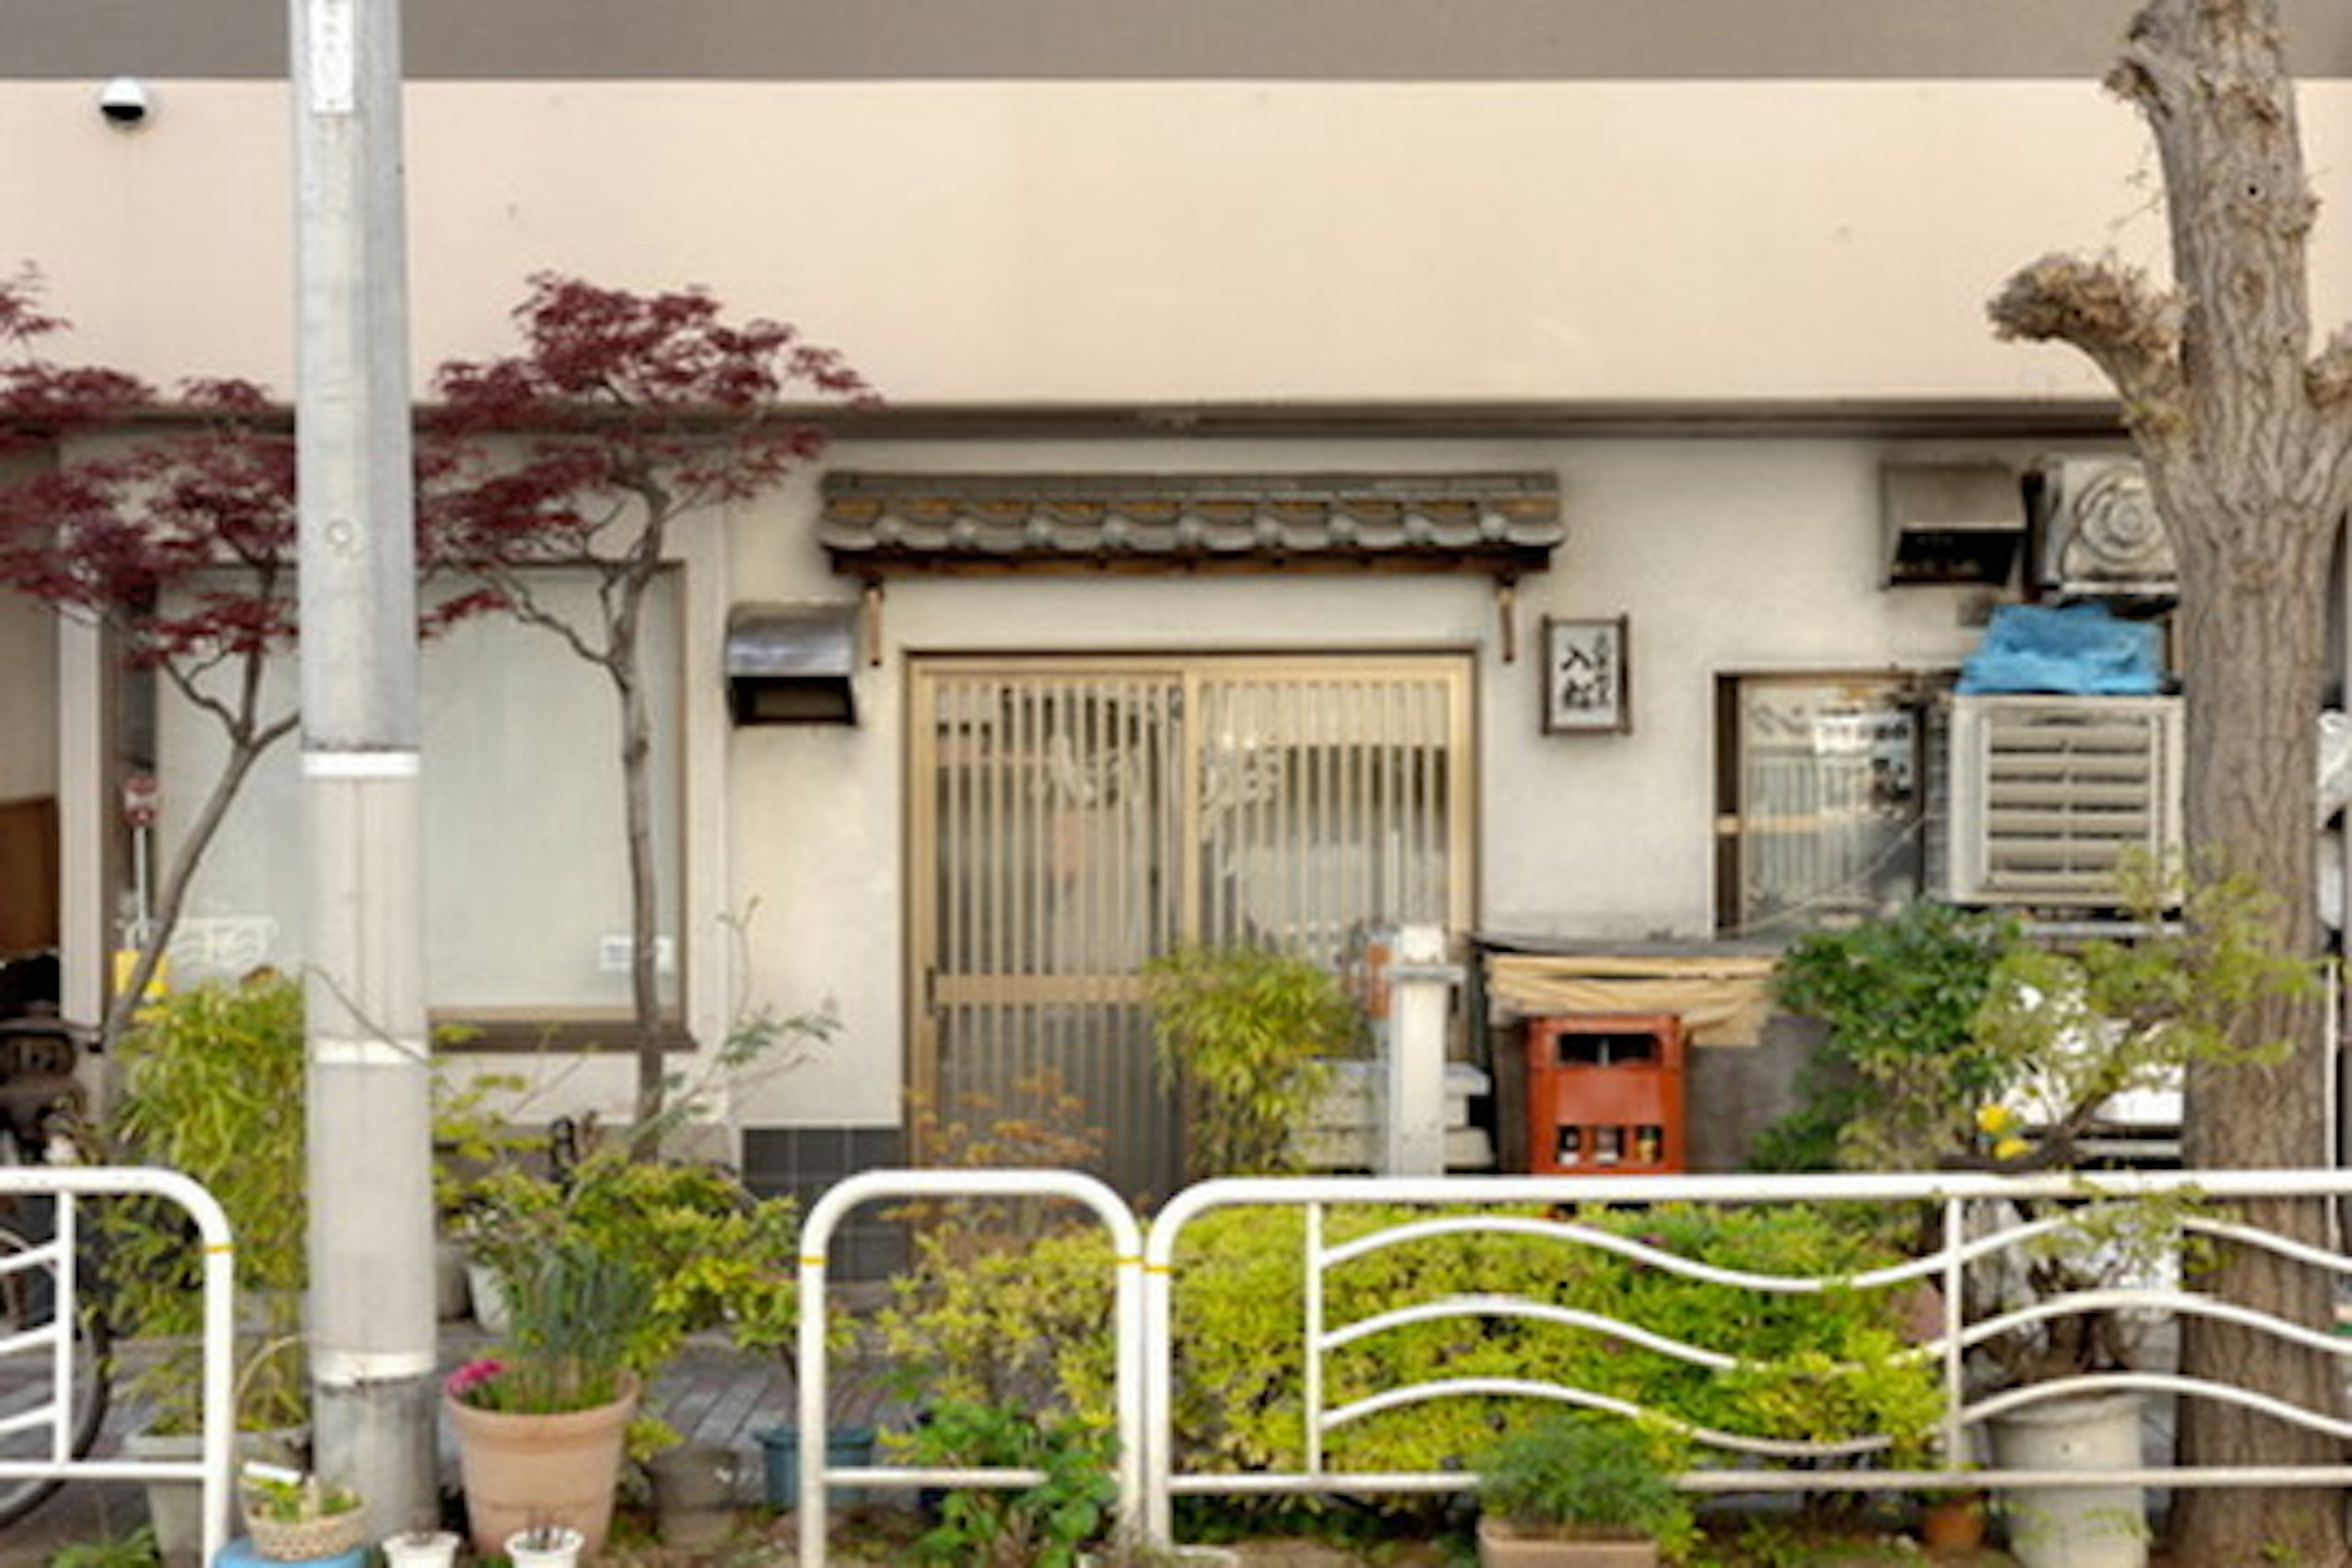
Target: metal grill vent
2051 795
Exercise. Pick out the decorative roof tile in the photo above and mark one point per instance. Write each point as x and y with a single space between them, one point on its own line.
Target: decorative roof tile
880 524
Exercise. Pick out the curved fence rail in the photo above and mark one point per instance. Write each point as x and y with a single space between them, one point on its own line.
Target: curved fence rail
38 1354
1977 1279
1969 1293
818 1475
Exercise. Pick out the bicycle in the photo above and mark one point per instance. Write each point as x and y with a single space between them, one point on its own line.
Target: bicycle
40 1119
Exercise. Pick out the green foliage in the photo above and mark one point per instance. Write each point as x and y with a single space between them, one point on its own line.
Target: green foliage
1030 1327
287 1497
1577 1472
707 1252
2068 1030
1894 1083
1951 1036
136 1549
1026 1327
1245 1031
1819 1364
212 1084
577 1308
1041 1526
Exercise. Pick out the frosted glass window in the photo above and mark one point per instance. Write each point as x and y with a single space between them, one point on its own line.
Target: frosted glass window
525 882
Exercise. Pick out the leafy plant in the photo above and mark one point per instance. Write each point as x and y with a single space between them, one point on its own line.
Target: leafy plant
1041 1526
212 1082
289 1497
703 1252
2066 1030
1036 1123
1245 1032
136 1549
575 1309
1891 1085
1025 1326
1578 1473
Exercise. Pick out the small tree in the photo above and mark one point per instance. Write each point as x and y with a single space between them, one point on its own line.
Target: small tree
623 417
179 543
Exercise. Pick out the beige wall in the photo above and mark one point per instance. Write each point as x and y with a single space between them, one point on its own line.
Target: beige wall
1169 243
1729 555
29 698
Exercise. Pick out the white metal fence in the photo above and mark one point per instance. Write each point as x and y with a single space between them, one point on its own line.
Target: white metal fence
38 1348
1986 1223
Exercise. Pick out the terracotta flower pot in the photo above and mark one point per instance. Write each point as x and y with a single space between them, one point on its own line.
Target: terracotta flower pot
520 1471
1949 1526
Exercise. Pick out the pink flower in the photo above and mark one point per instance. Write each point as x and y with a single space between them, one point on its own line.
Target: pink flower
471 1376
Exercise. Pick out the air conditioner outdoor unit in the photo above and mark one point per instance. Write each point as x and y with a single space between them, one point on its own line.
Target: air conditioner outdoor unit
2051 796
2097 532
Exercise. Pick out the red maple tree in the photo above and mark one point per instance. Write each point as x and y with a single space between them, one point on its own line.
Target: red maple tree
623 417
174 533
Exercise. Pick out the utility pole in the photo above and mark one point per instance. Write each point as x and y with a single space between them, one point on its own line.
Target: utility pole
370 1242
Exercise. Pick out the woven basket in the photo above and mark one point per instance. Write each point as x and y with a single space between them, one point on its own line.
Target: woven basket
305 1540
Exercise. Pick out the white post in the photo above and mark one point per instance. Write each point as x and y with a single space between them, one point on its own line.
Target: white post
371 1238
1412 1100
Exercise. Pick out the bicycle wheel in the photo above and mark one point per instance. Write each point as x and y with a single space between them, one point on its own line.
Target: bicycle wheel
28 1381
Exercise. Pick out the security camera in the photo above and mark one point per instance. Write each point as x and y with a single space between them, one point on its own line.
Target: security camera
123 101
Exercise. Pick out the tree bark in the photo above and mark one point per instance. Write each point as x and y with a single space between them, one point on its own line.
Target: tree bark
637 788
2245 439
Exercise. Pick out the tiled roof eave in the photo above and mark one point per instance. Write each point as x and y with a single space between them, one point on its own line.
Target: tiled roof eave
883 524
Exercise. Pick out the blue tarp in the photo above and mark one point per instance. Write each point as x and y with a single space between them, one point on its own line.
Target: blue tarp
2079 648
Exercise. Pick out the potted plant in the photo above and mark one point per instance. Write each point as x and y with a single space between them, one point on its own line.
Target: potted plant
1246 1034
423 1546
1953 1523
294 1517
542 1426
1580 1490
546 1546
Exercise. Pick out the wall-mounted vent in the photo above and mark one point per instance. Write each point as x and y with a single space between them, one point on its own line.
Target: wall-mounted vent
792 664
2096 532
2051 796
1951 523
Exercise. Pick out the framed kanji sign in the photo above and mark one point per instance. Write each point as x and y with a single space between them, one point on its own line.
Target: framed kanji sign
1585 686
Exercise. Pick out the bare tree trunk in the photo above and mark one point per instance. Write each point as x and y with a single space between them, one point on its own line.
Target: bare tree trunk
172 896
2253 649
2246 444
645 908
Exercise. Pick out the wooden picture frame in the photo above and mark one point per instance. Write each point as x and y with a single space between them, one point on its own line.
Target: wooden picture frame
1587 677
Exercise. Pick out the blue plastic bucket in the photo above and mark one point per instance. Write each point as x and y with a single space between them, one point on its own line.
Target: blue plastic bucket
780 1446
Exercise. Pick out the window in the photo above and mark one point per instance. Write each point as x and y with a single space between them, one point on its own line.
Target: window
525 875
1821 793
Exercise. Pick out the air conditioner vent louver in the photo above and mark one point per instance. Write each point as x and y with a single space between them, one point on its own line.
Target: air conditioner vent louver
2099 534
2051 796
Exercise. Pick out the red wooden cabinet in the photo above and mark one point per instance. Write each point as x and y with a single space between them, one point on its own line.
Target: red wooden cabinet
1605 1094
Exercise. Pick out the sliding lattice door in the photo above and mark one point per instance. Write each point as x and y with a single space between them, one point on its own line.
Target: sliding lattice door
1073 820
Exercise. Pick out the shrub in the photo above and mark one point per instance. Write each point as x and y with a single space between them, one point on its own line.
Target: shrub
1245 1032
1578 1473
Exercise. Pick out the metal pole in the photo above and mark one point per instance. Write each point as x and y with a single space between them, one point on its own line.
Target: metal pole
371 1237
